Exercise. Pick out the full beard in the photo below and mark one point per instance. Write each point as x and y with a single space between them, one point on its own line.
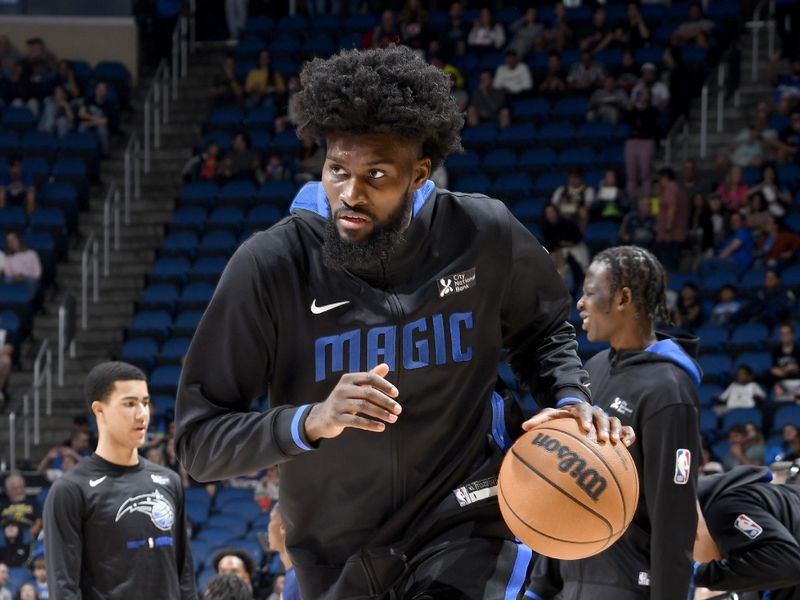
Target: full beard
380 245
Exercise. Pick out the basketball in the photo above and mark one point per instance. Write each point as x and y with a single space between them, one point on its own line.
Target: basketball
565 495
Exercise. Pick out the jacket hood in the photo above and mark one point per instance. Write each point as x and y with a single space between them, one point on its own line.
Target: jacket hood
668 348
711 486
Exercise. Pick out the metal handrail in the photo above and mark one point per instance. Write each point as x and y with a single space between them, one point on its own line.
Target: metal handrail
67 324
111 218
756 24
42 374
90 261
132 173
678 135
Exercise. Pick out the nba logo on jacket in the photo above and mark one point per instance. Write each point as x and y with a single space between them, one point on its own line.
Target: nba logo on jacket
683 464
748 527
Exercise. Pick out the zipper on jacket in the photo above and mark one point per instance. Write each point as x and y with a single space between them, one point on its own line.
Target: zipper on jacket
394 449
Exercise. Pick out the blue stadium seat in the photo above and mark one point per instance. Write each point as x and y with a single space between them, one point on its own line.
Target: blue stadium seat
180 243
164 380
189 218
151 323
330 24
195 296
141 352
9 143
500 160
10 321
789 175
186 322
473 184
259 26
243 67
208 573
752 280
51 220
286 142
708 423
612 157
750 336
260 141
37 168
576 158
537 160
229 494
248 510
217 243
463 163
350 41
742 416
63 196
117 74
39 143
759 363
610 57
172 270
251 546
13 218
319 45
600 235
163 404
712 339
225 218
284 46
226 118
520 136
237 193
249 48
261 118
197 495
661 35
708 394
713 282
479 137
511 187
592 133
235 524
19 576
200 548
573 109
207 269
216 536
17 119
559 134
262 217
17 298
360 22
199 193
786 415
547 183
276 192
261 522
793 222
529 210
587 349
222 138
159 296
173 351
45 246
716 368
293 24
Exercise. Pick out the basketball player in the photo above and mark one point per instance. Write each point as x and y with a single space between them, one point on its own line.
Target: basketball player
114 524
751 529
650 383
375 316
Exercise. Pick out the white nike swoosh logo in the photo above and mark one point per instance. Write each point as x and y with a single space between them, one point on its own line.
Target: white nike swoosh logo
96 482
318 310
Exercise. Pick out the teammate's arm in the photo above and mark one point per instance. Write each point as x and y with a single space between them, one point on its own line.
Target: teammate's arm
670 503
63 540
770 561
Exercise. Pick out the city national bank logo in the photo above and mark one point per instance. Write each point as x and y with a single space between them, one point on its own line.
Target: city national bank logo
457 282
589 480
154 505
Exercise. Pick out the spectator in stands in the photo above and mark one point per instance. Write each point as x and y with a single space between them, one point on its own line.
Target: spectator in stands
27 591
203 166
659 92
40 578
743 392
736 252
790 439
22 264
412 23
276 170
788 142
309 160
586 74
747 149
57 114
513 77
527 34
635 31
772 304
696 30
627 72
15 550
777 247
609 200
746 446
672 224
57 461
227 587
226 88
574 199
486 100
724 311
20 506
563 237
8 55
457 90
638 226
15 90
386 32
553 83
277 587
65 77
787 88
277 541
640 146
597 34
607 103
39 66
786 365
236 17
264 85
755 213
242 162
689 181
778 198
457 31
17 187
5 590
701 227
235 561
485 33
97 116
689 312
733 190
559 35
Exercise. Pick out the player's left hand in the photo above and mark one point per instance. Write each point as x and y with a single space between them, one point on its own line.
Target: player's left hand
591 419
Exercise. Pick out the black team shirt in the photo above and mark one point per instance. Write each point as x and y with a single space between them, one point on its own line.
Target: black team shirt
117 532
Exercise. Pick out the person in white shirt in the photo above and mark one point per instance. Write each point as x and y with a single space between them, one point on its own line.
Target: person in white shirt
513 77
485 32
22 265
659 92
742 393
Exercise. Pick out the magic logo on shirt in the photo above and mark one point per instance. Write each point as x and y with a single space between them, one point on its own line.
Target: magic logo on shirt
415 345
154 505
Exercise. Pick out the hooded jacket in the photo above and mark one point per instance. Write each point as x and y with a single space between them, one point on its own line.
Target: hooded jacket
654 391
756 525
468 281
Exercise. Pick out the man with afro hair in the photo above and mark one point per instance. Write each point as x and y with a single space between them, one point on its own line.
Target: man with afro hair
374 317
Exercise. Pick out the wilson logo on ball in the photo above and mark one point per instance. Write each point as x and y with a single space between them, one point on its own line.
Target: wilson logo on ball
589 480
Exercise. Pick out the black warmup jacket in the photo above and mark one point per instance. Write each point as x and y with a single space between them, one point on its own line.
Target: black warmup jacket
469 281
655 392
113 532
757 527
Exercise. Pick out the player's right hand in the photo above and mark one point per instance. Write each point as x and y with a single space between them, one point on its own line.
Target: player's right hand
360 400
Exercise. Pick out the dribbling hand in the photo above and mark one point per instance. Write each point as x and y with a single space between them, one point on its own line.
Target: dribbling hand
590 419
360 400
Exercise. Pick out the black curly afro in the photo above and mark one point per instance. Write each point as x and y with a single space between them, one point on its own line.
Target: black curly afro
381 91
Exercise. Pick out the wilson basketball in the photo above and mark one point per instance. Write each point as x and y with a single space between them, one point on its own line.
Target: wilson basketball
564 494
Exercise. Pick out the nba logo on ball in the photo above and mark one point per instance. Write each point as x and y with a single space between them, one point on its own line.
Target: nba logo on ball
683 462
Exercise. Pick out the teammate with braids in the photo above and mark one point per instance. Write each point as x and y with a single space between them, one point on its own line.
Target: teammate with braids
649 381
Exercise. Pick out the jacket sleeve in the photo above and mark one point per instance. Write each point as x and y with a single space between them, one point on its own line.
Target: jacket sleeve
536 331
229 363
670 505
63 540
183 554
769 561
